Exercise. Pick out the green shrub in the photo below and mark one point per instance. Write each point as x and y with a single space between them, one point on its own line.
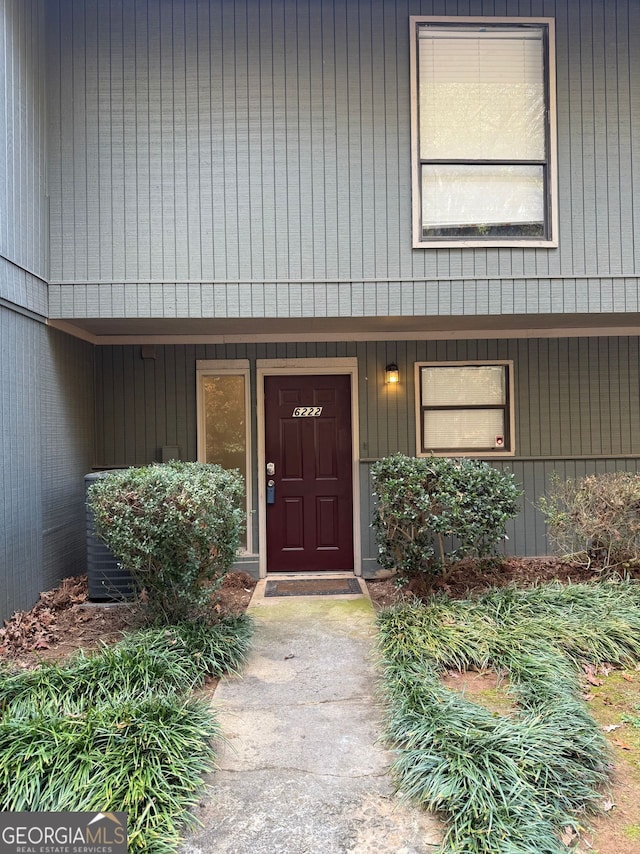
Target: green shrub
422 501
595 521
176 526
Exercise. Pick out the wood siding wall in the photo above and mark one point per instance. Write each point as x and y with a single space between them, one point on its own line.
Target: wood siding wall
46 424
217 158
67 441
577 407
46 378
20 486
24 234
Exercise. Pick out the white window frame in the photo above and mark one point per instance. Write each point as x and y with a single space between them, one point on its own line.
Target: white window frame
551 217
509 448
234 368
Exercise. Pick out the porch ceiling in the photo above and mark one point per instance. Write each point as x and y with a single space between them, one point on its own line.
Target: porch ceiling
236 330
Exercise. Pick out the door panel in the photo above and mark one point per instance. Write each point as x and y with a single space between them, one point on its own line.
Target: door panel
326 444
292 531
291 448
308 438
327 521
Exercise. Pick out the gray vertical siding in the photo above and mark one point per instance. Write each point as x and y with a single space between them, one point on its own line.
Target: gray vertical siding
18 287
46 378
66 433
260 152
46 425
22 244
23 132
576 404
21 482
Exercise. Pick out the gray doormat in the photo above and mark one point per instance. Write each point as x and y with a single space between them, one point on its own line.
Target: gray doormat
313 587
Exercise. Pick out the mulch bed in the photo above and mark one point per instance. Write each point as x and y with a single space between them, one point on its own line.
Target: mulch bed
467 578
63 621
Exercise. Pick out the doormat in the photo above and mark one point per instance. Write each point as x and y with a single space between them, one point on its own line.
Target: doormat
314 587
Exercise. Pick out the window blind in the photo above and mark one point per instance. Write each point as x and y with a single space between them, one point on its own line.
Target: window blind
464 385
460 195
459 429
481 94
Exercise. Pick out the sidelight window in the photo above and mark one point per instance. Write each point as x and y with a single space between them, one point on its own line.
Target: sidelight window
223 419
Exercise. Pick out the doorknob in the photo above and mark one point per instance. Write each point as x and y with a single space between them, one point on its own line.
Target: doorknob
271 492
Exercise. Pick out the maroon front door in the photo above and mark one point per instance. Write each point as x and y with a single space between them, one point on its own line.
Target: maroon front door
309 473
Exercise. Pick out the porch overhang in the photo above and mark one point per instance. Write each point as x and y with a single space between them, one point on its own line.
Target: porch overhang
183 330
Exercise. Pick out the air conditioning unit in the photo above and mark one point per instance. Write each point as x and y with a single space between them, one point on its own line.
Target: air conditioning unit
108 581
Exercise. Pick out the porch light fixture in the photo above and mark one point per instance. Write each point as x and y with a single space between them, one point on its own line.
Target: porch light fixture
391 373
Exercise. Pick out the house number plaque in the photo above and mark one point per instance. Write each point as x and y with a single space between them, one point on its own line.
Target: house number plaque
307 411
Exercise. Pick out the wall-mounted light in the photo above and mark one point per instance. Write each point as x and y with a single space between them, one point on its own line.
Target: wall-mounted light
391 373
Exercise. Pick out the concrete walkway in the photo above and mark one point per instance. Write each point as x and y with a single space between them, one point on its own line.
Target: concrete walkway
303 771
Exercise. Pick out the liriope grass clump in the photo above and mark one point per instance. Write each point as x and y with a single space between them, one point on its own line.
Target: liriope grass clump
155 661
117 730
508 783
144 757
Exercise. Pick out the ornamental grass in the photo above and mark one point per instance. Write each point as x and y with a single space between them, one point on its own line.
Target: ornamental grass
511 783
116 730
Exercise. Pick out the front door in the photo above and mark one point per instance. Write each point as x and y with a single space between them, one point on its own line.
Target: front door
308 455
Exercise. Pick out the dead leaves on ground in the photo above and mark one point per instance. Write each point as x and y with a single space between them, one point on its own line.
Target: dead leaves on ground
590 674
28 631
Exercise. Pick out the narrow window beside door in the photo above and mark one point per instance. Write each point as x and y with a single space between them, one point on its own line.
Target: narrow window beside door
223 407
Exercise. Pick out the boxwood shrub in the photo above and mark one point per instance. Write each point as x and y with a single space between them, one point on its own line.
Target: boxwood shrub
176 526
434 510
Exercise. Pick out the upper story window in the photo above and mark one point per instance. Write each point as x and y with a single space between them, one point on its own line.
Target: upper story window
483 132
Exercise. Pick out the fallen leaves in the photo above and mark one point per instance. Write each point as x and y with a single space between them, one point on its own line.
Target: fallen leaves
621 744
569 836
590 671
28 630
35 630
60 623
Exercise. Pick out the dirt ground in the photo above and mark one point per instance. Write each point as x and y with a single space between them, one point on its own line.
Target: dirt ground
63 621
466 578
